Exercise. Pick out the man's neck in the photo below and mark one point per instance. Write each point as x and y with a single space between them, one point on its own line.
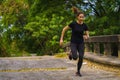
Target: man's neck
79 22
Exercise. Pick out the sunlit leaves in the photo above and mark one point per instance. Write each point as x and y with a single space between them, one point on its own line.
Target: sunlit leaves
13 7
36 25
13 18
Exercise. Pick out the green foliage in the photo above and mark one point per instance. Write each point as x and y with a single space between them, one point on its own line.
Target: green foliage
12 13
61 55
35 25
112 30
46 36
105 17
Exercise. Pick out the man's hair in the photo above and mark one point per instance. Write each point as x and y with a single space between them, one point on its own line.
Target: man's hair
76 11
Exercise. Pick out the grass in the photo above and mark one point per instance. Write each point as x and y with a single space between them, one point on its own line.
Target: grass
34 69
61 55
105 67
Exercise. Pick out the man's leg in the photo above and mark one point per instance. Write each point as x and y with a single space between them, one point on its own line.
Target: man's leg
74 51
80 61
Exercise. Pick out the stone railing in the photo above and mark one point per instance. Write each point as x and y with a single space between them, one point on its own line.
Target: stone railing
106 45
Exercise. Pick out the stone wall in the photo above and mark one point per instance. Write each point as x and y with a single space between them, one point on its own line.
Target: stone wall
106 45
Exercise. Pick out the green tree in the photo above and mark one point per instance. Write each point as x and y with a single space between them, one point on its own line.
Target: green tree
102 17
36 25
13 18
45 25
105 19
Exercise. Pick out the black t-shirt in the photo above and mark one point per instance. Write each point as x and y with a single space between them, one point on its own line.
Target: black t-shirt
77 32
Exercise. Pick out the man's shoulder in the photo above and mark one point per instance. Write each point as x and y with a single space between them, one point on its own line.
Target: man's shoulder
73 22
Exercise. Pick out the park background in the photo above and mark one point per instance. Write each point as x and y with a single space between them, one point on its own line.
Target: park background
34 26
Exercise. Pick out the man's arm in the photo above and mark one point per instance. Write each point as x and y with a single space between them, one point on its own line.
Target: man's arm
62 34
86 36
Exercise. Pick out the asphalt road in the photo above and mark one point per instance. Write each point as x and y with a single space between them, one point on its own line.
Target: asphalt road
49 68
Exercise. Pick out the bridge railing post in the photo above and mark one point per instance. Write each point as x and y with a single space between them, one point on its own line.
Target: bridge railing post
119 50
96 48
87 47
107 49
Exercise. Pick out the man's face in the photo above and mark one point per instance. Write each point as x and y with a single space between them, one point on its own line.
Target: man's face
81 17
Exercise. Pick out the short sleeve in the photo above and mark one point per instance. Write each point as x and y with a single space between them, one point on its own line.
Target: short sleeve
71 25
85 27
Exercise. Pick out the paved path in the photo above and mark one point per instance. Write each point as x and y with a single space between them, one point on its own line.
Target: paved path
49 68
